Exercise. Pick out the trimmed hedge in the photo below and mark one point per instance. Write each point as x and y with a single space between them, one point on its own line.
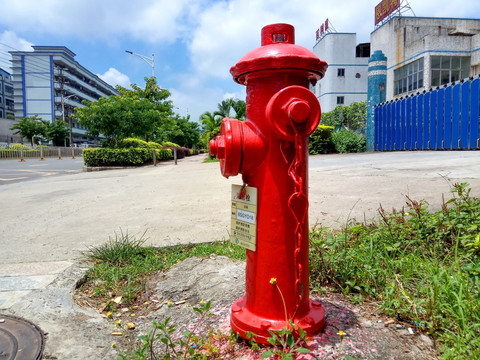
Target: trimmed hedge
320 142
116 157
154 145
164 154
181 152
132 143
17 147
123 157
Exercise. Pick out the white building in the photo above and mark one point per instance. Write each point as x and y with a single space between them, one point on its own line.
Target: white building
48 82
427 52
345 80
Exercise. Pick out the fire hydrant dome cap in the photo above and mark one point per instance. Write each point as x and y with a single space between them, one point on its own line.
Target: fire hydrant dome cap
279 52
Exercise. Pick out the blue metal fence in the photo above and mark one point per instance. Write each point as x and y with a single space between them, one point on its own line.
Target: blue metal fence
441 119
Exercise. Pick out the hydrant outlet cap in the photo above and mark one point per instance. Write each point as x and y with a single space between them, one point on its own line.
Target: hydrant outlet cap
278 51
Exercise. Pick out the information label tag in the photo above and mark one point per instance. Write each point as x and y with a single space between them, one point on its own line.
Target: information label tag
244 217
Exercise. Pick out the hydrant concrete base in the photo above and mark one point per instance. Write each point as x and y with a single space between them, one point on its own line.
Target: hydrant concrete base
242 321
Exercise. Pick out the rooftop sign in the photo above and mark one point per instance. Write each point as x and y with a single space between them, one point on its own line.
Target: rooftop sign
385 8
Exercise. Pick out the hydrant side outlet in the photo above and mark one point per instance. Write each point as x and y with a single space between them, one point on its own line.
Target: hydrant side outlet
270 150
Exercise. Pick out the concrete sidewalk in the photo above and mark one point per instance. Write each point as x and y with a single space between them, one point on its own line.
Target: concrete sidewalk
46 224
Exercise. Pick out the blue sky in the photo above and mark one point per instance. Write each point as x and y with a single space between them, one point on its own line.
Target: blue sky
195 42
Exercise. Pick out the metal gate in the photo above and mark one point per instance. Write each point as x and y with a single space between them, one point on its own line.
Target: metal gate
441 119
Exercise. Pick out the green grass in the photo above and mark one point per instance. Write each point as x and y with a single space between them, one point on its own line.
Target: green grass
423 267
122 265
209 159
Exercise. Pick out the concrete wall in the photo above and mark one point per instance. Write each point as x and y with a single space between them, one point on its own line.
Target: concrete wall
6 135
406 39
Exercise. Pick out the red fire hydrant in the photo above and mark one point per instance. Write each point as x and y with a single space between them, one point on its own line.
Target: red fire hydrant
270 150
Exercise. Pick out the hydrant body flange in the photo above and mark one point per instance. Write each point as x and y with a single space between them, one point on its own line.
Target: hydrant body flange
270 150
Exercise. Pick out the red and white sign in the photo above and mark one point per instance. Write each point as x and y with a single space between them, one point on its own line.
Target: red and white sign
322 30
385 8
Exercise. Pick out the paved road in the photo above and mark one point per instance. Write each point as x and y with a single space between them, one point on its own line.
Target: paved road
12 171
46 223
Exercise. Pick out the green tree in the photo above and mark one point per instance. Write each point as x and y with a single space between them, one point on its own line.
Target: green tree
32 128
57 132
211 122
352 117
224 109
185 133
143 113
240 108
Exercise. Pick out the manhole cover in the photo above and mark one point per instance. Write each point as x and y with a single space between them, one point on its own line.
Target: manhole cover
20 339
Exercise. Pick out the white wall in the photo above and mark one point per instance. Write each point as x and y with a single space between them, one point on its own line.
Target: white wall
338 50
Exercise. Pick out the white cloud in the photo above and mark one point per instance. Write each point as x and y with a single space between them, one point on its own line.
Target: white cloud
9 41
145 20
217 33
114 77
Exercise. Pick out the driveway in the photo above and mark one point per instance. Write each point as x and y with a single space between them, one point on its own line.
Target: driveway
54 218
46 223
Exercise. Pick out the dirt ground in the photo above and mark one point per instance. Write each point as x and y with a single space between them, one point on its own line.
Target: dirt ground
369 334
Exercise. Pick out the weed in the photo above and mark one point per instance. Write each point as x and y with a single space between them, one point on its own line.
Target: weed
284 344
163 343
421 266
119 250
121 267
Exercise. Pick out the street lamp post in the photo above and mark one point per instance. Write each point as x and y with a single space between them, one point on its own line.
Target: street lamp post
149 61
69 119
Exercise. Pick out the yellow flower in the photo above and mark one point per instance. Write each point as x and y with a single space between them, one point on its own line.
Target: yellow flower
109 314
341 333
406 213
202 302
114 345
170 303
132 314
273 281
117 322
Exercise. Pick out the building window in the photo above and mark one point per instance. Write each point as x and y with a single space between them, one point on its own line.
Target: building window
446 69
340 100
408 77
341 72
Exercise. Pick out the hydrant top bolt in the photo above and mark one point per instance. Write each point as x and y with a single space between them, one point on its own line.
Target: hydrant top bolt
299 110
279 52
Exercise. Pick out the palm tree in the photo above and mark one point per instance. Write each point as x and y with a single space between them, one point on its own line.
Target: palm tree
224 108
240 108
211 124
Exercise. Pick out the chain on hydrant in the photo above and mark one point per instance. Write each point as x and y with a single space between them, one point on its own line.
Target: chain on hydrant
270 150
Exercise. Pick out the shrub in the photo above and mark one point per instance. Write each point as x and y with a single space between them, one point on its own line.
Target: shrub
181 151
18 147
132 143
154 145
346 141
320 142
164 154
170 144
116 157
